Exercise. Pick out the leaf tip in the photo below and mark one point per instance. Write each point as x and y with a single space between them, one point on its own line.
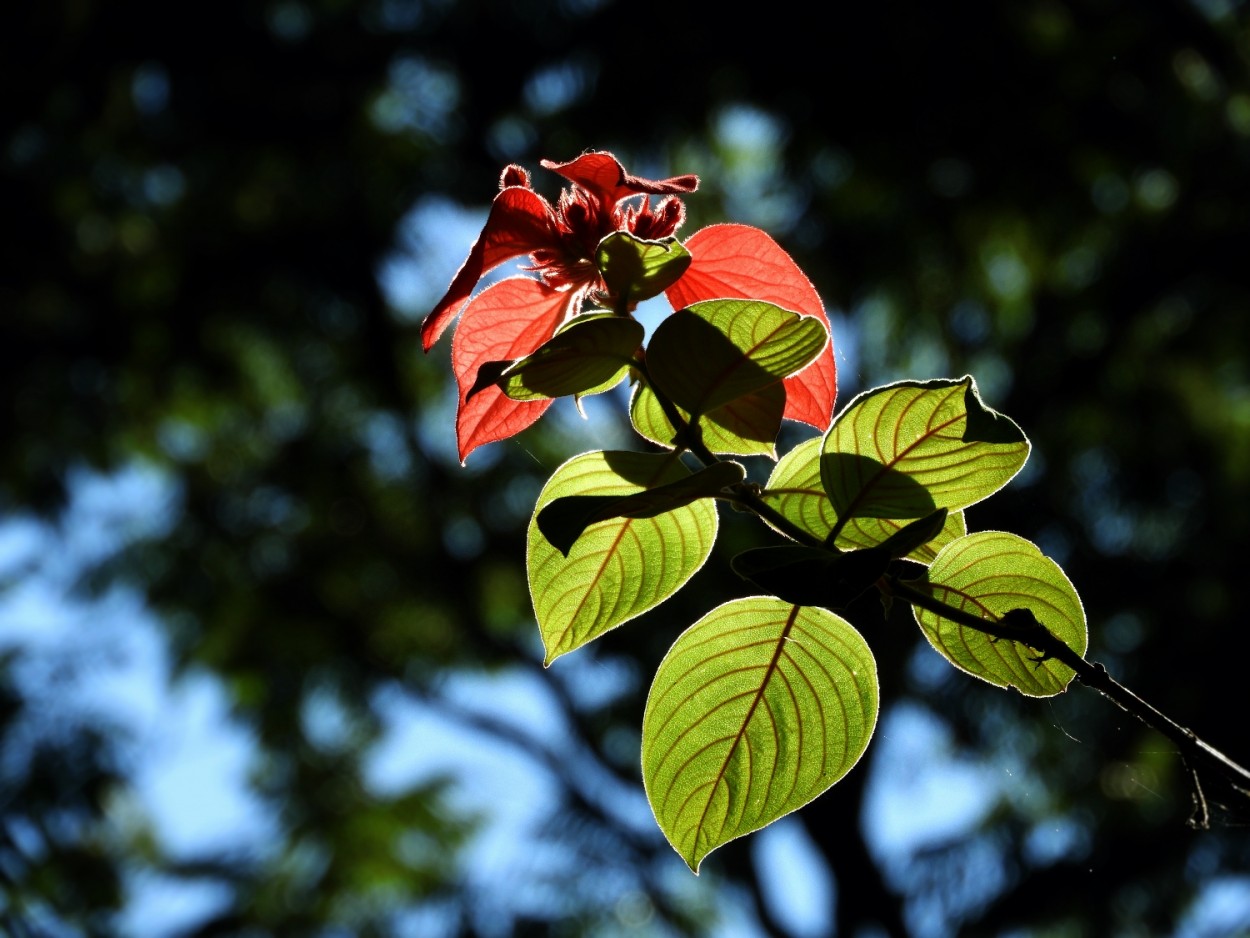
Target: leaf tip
984 424
550 655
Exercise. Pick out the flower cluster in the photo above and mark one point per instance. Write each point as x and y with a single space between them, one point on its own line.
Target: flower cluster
510 319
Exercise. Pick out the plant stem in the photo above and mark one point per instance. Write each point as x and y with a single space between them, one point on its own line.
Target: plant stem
686 436
748 497
1035 635
745 495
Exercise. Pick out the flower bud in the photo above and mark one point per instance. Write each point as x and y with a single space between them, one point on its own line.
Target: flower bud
514 175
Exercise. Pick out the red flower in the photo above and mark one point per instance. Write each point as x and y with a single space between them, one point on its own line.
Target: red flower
512 318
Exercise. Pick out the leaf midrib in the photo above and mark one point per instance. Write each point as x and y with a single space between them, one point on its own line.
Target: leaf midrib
746 721
608 554
723 376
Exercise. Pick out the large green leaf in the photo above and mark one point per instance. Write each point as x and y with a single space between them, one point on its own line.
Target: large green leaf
795 489
619 567
746 426
903 450
636 270
589 355
756 709
716 351
989 574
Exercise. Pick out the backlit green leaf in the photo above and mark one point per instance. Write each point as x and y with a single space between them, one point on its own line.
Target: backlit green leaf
904 450
637 270
796 490
619 567
989 574
746 426
757 708
590 354
914 535
716 351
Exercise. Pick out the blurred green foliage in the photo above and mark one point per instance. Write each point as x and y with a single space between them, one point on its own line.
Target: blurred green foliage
1053 196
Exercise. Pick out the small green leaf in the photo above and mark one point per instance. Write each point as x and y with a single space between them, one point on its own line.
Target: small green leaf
746 426
757 708
990 574
563 520
716 351
638 270
904 450
620 567
795 489
590 354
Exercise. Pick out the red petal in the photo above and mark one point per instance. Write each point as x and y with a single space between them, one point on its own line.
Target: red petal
520 222
741 262
603 176
505 321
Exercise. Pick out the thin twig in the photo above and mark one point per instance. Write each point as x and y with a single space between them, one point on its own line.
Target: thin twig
1027 630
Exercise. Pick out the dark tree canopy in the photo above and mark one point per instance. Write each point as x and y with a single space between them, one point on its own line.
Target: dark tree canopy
224 227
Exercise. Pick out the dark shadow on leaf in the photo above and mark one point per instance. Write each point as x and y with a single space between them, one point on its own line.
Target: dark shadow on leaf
862 487
488 375
564 519
693 362
915 535
811 576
